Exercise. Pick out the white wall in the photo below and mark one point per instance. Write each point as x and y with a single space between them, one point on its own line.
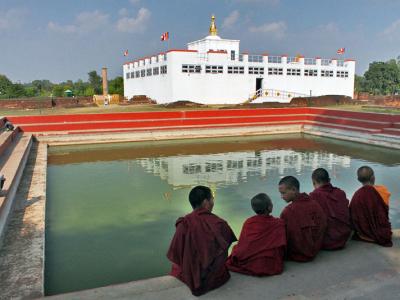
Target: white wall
215 43
157 87
206 88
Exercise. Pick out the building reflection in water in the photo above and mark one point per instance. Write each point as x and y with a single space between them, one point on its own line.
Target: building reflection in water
235 167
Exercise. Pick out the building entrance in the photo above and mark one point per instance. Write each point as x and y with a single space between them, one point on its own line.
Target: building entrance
259 83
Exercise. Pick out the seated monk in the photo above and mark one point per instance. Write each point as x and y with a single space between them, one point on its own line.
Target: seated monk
336 207
305 221
262 242
369 210
199 248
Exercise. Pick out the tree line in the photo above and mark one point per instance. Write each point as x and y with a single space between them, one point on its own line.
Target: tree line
381 78
45 88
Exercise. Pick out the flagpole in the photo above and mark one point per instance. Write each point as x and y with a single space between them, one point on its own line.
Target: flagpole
168 42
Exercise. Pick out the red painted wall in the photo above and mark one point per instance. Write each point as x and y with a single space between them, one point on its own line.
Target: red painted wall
205 118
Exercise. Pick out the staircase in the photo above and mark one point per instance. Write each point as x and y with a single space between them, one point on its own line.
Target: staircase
14 150
392 130
272 95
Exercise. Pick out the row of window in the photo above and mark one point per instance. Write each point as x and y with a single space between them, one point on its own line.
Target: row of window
343 74
310 72
191 68
219 69
219 166
329 73
293 72
275 71
237 70
256 70
214 69
314 73
271 59
147 72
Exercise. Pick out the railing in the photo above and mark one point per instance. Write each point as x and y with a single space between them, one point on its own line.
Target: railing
310 61
275 59
340 63
255 58
275 94
293 59
326 62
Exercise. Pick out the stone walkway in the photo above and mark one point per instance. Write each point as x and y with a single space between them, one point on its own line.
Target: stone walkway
361 271
21 257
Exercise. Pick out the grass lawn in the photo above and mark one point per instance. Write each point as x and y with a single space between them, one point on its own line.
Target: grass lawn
94 110
148 107
364 108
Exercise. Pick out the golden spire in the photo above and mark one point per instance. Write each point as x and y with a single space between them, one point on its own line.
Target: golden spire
213 28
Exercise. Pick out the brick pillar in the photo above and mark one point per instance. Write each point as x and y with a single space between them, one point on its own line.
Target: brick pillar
105 82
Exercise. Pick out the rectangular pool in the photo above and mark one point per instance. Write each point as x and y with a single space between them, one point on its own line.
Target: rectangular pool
111 209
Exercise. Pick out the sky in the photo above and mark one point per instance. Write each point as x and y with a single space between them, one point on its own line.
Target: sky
63 40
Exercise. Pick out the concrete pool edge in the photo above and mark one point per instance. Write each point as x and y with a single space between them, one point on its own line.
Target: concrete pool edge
36 287
382 140
23 252
343 275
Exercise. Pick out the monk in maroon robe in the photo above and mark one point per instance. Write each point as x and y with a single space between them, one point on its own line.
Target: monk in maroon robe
369 210
305 221
262 242
336 207
199 248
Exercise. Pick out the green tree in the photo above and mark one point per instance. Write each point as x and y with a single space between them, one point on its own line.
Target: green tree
95 82
89 91
116 86
5 85
58 90
359 84
16 90
44 87
79 87
31 91
382 78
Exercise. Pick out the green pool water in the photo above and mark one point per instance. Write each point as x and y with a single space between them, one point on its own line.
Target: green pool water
111 209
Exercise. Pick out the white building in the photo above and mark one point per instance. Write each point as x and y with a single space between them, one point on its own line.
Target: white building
213 70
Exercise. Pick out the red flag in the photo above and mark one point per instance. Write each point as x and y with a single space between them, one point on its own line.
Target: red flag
165 36
340 51
126 53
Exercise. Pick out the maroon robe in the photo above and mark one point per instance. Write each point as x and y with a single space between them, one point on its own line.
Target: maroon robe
305 228
261 247
199 250
370 216
336 207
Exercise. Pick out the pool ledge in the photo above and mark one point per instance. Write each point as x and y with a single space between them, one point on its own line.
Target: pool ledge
22 256
361 270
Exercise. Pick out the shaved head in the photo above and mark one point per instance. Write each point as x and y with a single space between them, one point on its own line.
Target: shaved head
321 176
291 182
289 187
261 204
365 175
198 194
